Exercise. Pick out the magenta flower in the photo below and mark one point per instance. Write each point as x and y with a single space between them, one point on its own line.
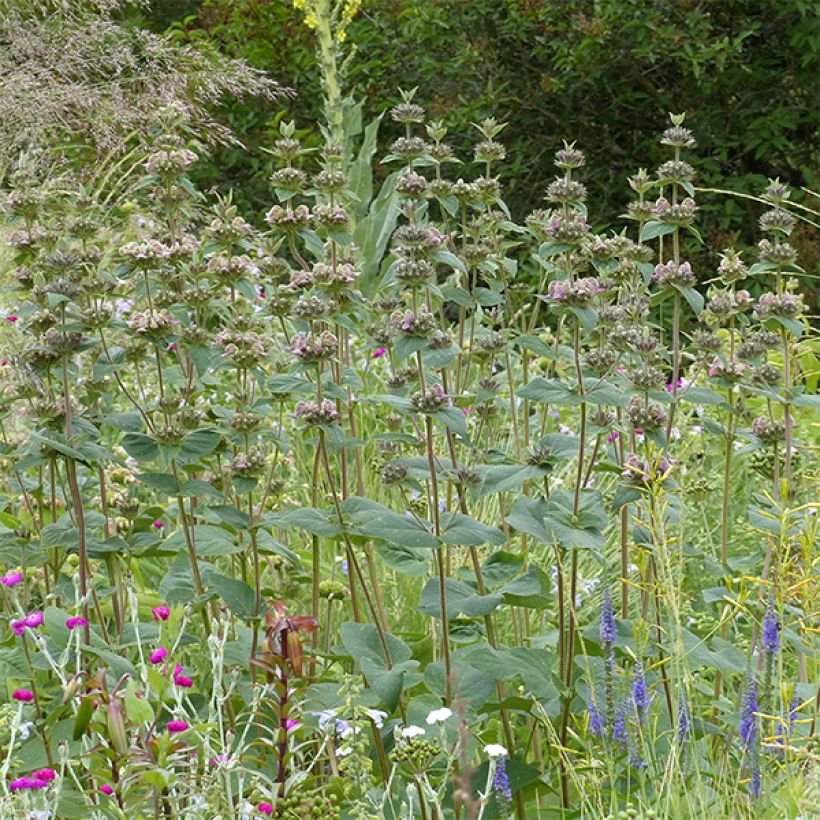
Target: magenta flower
33 619
183 681
25 783
161 613
158 525
377 354
265 808
176 726
12 318
11 579
291 724
179 669
613 436
106 789
75 621
158 655
44 774
23 695
18 627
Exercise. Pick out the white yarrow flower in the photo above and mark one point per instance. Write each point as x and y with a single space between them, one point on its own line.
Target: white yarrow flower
411 731
495 750
439 715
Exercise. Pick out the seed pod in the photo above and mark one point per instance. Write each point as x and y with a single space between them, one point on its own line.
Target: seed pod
116 728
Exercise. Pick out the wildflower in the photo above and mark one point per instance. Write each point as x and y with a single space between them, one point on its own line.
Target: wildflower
411 731
11 579
106 789
439 715
33 620
161 613
158 525
771 631
639 694
596 722
44 774
684 726
265 808
183 681
608 629
748 720
11 318
75 621
291 724
495 750
175 726
158 655
619 731
379 352
23 695
501 787
612 437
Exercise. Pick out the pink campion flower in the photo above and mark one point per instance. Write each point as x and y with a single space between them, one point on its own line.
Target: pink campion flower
176 726
44 774
75 621
183 681
18 627
11 579
613 436
11 318
265 808
4 362
466 411
172 347
379 352
158 655
106 789
639 431
161 613
158 525
33 620
20 784
179 669
23 695
291 724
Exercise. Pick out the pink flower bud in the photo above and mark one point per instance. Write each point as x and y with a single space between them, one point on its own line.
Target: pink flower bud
161 613
176 726
75 621
265 808
183 681
44 774
106 789
379 352
158 525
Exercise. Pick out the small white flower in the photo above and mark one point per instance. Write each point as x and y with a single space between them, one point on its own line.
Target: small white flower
411 731
495 750
674 433
25 730
377 716
439 715
566 430
344 751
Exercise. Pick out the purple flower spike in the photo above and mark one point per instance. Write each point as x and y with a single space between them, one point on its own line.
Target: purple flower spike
501 787
609 629
639 693
771 632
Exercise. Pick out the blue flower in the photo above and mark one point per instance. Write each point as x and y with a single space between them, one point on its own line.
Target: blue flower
596 721
639 693
771 631
748 719
608 629
684 726
501 787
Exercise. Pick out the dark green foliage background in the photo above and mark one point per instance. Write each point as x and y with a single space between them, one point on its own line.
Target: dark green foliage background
602 73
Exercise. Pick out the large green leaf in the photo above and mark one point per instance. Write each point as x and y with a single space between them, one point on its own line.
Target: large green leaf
461 600
465 531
